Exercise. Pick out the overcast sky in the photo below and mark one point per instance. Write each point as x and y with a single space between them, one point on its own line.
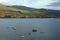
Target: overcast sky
51 4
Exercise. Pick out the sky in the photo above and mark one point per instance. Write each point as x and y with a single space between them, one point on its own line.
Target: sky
49 4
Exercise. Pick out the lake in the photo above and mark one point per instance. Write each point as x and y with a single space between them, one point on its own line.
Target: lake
21 29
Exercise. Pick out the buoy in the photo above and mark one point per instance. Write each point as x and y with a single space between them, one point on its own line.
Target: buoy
29 33
34 30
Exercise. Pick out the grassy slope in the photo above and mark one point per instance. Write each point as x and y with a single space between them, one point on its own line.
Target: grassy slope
13 12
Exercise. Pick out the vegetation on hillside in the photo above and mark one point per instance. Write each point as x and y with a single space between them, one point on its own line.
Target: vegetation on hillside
7 12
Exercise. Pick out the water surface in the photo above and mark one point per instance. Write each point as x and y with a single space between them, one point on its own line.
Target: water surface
19 29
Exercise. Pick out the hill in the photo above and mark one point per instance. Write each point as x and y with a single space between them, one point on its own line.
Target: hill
49 12
26 12
7 12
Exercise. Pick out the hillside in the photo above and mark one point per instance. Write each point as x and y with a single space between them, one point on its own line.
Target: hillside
51 11
7 12
26 12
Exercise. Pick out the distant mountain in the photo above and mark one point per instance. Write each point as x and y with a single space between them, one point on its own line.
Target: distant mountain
23 8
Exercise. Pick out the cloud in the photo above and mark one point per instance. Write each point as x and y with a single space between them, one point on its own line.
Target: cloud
24 4
56 0
3 1
33 0
54 4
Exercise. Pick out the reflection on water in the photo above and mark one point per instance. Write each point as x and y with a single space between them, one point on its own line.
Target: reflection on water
21 29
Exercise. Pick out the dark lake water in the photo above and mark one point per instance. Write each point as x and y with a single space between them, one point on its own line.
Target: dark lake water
21 29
